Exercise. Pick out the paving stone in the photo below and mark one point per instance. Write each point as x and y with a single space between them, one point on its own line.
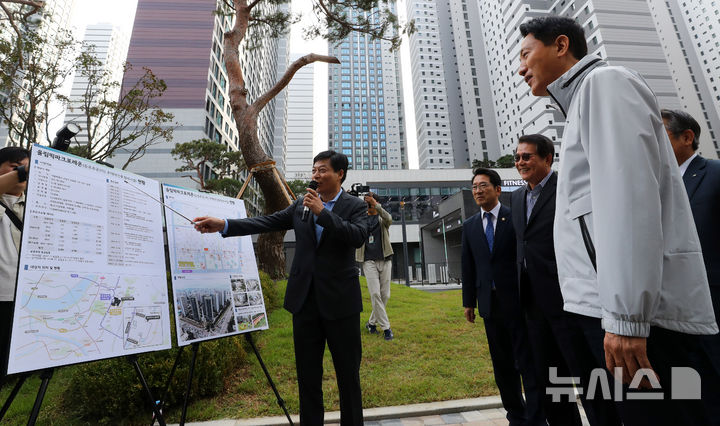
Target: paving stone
480 423
432 420
392 422
413 422
453 418
473 416
495 413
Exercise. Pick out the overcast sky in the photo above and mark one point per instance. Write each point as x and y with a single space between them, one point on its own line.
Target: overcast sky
122 13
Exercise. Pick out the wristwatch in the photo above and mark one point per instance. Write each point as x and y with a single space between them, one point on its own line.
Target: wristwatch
22 173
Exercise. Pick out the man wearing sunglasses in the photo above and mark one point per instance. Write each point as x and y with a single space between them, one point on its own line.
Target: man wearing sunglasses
533 213
629 261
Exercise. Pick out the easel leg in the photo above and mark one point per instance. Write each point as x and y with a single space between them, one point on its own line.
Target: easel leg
158 415
45 376
280 401
195 347
12 395
163 397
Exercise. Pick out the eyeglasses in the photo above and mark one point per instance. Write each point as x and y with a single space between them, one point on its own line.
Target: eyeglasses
483 186
525 156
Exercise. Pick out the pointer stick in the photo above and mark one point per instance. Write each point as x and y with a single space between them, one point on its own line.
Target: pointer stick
165 205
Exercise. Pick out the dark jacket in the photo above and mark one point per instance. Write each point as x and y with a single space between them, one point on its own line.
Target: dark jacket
480 267
535 247
702 181
329 265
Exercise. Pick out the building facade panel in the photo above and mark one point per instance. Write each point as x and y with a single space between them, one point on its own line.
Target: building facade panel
197 82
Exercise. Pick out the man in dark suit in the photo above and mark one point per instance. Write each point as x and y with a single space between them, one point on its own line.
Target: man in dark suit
555 341
323 291
489 280
702 182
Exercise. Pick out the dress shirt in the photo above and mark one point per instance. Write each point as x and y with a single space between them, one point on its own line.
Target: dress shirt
532 195
494 212
329 206
684 166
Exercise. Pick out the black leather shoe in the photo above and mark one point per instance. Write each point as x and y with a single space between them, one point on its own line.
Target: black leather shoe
372 329
388 334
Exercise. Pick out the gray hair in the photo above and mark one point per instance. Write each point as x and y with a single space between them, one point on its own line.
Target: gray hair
678 121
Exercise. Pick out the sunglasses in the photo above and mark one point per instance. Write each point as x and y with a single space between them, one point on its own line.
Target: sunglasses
524 156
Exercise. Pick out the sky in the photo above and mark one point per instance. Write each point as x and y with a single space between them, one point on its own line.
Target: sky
122 12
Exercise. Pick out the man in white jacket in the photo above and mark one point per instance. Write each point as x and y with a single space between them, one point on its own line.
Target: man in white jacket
628 255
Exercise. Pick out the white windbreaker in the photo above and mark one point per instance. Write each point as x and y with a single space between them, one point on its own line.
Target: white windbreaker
619 174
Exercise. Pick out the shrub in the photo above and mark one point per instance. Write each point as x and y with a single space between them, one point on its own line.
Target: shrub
89 392
271 293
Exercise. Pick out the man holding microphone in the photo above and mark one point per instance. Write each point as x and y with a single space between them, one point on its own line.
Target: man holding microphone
323 290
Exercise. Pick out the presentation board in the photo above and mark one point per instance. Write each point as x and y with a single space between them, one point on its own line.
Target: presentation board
216 286
92 276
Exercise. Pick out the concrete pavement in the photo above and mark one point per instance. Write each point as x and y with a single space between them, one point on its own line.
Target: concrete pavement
485 411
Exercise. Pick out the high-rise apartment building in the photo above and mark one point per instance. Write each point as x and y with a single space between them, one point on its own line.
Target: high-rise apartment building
690 34
455 123
483 39
621 32
365 103
281 108
299 155
181 41
110 44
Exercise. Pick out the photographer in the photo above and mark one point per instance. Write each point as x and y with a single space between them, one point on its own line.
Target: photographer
9 180
13 180
376 258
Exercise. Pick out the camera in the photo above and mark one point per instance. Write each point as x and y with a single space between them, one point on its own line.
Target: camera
63 136
359 190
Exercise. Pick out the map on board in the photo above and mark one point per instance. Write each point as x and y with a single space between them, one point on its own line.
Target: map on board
91 280
211 255
215 280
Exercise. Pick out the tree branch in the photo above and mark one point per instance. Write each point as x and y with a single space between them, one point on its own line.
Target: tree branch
17 31
36 4
263 100
353 28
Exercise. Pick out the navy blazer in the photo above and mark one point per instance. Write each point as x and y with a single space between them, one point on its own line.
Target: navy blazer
329 264
702 181
536 247
480 267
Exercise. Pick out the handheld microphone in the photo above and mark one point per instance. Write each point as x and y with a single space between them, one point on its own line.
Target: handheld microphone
306 211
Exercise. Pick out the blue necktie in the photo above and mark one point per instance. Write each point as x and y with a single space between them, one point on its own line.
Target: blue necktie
489 230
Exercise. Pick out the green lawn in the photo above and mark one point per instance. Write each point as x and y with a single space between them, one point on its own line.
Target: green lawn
436 355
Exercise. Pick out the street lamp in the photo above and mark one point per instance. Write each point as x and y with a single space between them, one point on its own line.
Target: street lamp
405 248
